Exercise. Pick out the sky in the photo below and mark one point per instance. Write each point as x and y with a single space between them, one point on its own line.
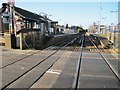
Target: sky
73 12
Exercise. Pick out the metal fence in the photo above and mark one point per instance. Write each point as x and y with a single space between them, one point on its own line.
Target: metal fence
30 38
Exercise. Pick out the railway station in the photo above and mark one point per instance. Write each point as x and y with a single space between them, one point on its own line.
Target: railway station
39 53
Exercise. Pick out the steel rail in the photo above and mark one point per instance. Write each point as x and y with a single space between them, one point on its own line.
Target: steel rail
77 74
112 69
54 62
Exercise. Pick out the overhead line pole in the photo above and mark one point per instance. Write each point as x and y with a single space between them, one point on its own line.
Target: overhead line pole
100 16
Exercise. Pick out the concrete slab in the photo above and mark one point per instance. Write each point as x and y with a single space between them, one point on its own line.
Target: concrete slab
11 56
52 74
98 81
112 61
65 79
31 77
13 71
28 79
96 74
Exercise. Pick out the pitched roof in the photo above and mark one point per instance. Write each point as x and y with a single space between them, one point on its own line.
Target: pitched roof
29 15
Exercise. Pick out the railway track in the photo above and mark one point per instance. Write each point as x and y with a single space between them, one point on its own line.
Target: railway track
85 48
99 51
58 46
77 74
36 69
20 75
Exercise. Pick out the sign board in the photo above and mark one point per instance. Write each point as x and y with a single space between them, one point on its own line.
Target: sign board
6 17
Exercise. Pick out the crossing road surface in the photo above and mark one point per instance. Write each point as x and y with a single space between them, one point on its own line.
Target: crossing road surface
75 64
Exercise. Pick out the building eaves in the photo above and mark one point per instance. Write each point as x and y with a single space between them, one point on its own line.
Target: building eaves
27 14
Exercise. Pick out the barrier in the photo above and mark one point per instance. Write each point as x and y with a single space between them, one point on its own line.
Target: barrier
29 38
114 37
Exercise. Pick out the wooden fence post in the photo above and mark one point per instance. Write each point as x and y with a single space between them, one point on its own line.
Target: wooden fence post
21 41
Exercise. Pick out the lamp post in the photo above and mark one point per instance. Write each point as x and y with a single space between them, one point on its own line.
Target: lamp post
44 14
104 25
113 22
11 6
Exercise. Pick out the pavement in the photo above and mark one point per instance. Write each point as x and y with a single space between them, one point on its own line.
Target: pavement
66 78
12 55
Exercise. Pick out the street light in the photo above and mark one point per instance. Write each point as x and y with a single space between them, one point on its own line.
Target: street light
105 26
44 14
113 12
104 18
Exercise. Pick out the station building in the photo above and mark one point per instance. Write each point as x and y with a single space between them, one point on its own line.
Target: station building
28 29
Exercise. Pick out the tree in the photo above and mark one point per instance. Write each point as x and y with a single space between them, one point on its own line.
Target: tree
80 28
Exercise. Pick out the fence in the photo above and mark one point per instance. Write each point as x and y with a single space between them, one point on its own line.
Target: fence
29 38
114 37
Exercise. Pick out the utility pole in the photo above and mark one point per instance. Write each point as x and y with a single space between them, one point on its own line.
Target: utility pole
11 18
118 20
100 17
12 31
98 27
11 10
